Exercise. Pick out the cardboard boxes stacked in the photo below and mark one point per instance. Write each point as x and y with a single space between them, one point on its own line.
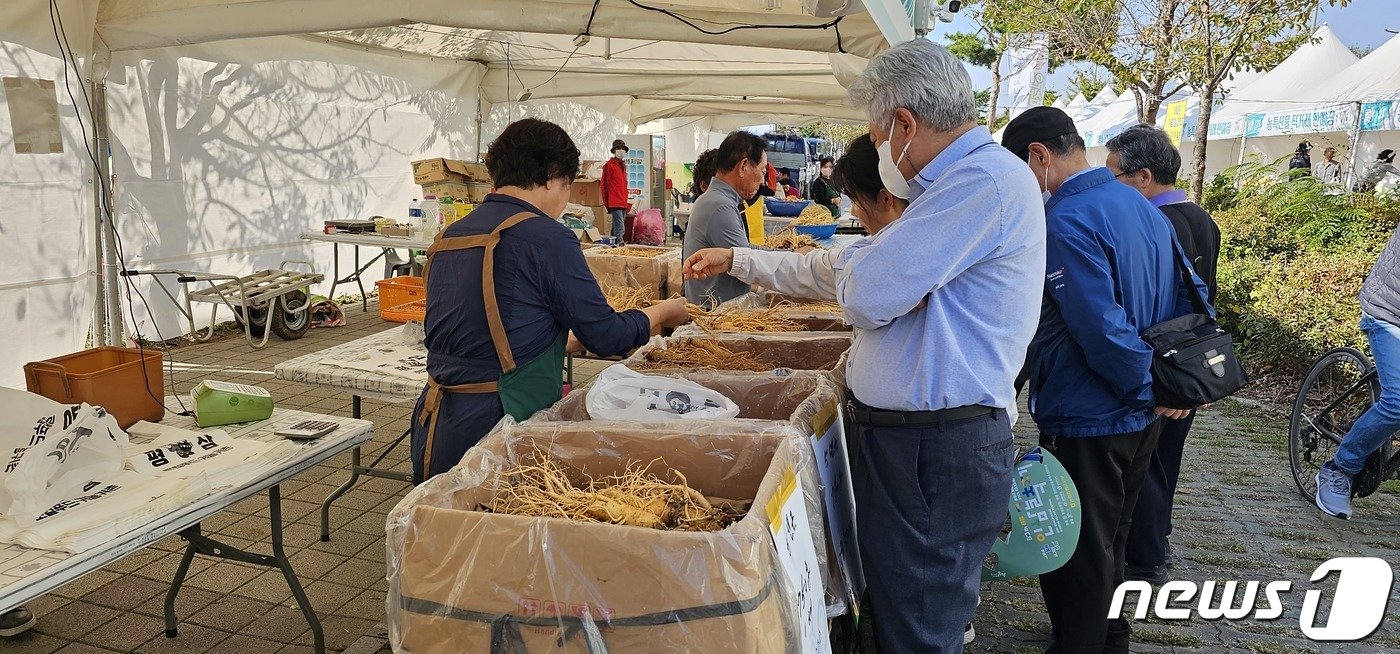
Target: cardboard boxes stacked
463 180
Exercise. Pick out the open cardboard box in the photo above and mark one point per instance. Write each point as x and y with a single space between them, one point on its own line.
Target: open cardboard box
619 270
462 579
819 351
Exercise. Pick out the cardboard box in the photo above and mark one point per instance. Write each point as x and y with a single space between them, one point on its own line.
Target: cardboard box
459 576
602 220
590 169
613 270
820 351
396 230
472 193
586 192
429 171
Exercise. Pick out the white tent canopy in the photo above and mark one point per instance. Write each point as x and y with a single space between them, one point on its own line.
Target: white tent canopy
1105 97
1317 60
237 125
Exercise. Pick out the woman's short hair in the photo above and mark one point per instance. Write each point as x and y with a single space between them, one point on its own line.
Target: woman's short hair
826 161
857 173
705 168
530 152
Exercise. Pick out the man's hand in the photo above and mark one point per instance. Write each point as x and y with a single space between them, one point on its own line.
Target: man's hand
1174 414
708 263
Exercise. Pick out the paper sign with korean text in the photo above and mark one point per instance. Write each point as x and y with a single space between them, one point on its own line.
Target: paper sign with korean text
838 496
797 554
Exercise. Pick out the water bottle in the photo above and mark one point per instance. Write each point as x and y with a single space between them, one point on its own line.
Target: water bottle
429 209
415 213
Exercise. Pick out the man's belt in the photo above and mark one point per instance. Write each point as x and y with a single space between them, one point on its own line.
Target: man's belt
867 415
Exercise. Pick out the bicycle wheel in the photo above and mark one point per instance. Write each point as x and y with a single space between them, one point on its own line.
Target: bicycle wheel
1335 392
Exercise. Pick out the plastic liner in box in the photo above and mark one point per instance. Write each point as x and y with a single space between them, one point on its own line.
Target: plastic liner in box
766 401
651 273
808 351
464 580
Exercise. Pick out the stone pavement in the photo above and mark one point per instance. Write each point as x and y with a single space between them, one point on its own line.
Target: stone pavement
1238 518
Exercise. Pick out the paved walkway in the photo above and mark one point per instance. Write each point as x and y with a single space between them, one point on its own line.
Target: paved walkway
1238 518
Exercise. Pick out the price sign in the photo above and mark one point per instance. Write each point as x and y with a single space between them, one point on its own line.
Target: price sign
838 496
797 554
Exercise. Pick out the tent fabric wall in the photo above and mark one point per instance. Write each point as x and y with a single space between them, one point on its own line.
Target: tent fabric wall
47 282
225 153
593 124
141 24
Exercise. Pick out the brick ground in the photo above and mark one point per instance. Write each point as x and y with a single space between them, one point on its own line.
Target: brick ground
1238 518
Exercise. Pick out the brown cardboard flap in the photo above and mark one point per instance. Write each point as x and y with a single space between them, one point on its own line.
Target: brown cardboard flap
457 573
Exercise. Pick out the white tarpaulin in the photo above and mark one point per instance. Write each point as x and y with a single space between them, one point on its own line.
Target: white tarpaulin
1029 63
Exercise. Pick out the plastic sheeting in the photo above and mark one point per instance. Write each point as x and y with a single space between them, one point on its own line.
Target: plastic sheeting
461 579
47 287
224 154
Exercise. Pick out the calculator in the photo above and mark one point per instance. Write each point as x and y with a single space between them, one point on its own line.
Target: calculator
307 429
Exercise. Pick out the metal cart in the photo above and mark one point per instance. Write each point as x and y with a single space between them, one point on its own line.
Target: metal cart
275 301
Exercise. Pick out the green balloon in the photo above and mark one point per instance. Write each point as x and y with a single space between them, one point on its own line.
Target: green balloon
1045 520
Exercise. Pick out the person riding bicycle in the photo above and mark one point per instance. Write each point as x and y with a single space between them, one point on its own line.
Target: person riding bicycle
1380 319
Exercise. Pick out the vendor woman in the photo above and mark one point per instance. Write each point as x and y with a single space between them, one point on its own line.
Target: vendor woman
506 286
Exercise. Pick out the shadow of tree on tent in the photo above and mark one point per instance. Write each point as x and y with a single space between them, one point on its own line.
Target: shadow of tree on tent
222 162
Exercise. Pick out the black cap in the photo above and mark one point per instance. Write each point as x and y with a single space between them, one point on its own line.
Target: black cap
618 144
1036 125
1304 146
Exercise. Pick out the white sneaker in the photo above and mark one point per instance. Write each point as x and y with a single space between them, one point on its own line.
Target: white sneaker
969 634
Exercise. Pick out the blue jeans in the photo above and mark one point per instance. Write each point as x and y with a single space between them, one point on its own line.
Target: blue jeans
619 223
1382 420
929 503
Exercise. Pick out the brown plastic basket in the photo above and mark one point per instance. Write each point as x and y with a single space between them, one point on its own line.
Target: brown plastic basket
109 377
395 292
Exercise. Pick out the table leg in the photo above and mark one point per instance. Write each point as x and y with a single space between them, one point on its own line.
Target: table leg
364 300
335 269
201 544
335 494
172 628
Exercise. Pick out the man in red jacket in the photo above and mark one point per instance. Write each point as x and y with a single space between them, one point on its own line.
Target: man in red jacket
615 188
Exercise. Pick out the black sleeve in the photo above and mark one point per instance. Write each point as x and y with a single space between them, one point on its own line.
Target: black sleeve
578 303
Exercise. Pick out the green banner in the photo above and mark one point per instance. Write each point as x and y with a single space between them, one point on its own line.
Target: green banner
1044 509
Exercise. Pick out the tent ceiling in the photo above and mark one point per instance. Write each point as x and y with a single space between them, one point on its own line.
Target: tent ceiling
139 24
1295 78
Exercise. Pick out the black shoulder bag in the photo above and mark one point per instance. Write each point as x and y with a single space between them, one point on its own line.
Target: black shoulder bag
1193 360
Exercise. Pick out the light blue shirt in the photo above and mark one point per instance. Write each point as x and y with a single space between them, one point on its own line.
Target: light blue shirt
945 300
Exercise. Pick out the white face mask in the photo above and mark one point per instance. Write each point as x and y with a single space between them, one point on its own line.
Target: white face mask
889 168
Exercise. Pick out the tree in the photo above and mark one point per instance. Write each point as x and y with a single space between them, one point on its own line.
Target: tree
1223 36
1361 50
1085 82
1051 97
1135 40
982 48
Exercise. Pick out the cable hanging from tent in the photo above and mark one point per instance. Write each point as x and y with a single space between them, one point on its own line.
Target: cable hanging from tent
105 207
834 23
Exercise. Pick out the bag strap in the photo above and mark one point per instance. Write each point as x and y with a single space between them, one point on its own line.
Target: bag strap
1187 276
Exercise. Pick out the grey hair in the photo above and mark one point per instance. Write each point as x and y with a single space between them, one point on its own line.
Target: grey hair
1146 147
920 76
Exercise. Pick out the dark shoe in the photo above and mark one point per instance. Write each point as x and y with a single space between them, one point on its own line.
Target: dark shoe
1154 575
16 622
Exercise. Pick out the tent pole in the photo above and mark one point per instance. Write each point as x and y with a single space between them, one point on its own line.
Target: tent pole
1240 162
108 260
480 122
1353 142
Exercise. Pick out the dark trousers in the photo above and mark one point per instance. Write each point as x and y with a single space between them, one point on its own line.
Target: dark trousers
1108 472
929 503
1152 518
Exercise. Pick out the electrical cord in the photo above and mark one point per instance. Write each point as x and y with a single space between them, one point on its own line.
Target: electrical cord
105 207
835 23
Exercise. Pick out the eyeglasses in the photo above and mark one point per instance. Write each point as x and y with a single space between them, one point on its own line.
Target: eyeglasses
1126 172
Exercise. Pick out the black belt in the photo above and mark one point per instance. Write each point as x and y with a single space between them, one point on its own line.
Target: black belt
864 414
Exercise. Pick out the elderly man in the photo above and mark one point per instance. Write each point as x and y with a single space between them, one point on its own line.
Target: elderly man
944 302
717 217
1111 272
1144 158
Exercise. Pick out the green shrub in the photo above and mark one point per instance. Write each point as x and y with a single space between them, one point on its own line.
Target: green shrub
1220 194
1292 261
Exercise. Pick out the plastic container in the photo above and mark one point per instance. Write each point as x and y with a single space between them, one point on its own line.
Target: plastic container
431 215
778 207
819 232
396 292
110 377
415 212
416 310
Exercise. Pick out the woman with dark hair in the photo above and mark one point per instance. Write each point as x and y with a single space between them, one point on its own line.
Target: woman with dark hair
824 190
704 170
507 288
809 274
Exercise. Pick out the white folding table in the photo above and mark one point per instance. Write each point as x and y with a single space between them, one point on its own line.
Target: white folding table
357 241
327 369
27 573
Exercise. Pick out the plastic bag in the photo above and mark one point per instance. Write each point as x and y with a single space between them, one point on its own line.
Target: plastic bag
622 394
648 228
52 451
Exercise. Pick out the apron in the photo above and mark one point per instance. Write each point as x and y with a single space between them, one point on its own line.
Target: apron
753 222
523 389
